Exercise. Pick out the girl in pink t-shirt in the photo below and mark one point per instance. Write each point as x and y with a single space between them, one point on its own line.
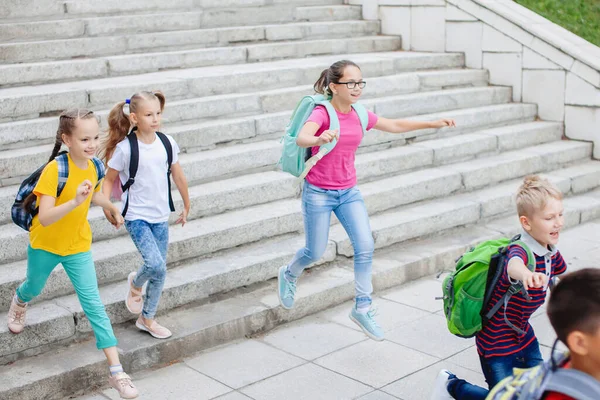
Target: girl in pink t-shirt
331 186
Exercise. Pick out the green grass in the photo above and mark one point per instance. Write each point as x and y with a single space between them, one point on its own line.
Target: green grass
582 17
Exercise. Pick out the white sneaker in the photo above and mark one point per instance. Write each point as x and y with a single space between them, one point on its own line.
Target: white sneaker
440 387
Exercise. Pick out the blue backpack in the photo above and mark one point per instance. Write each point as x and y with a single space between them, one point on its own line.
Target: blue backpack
23 217
295 159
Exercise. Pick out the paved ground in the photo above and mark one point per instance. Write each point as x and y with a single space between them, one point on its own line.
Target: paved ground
325 356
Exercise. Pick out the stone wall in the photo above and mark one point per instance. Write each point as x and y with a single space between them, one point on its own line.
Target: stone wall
542 62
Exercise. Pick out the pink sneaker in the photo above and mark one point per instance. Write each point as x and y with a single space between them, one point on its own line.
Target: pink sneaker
121 382
134 300
156 330
16 317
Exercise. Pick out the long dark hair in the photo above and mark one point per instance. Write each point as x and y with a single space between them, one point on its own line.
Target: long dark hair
333 74
66 124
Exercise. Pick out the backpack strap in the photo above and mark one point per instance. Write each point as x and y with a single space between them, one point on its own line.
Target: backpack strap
573 383
334 123
167 143
62 161
363 115
100 170
514 288
134 161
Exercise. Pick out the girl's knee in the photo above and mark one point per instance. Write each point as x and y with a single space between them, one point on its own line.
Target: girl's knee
364 249
158 269
313 255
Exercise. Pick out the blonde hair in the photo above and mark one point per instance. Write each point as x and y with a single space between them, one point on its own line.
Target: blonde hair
533 195
119 123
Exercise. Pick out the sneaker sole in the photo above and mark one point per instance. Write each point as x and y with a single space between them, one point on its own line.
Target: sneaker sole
279 291
369 334
127 296
143 328
13 332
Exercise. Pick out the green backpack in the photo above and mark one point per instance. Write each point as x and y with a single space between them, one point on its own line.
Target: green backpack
468 290
297 160
550 376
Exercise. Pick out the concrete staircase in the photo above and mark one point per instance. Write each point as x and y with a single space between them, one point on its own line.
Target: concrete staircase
232 71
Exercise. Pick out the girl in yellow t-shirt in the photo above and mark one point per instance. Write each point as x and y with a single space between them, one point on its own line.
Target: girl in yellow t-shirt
60 233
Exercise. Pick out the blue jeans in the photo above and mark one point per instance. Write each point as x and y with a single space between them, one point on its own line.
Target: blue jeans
152 241
349 207
495 369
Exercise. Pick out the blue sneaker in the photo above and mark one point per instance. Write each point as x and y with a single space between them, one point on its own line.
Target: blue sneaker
367 323
287 289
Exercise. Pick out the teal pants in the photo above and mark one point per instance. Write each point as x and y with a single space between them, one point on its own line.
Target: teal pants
82 273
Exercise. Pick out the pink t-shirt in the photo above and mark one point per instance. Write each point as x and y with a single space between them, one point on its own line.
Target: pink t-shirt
336 170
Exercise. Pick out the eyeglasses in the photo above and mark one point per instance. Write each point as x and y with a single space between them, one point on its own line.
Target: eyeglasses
352 85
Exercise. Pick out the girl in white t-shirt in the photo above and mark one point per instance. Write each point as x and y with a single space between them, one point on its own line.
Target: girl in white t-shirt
146 200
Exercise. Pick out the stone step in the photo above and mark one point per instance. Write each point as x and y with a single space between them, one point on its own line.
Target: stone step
27 10
80 366
468 120
31 101
229 160
62 49
168 20
21 162
270 126
380 195
56 71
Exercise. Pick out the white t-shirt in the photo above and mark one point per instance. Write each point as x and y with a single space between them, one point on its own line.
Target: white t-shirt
149 195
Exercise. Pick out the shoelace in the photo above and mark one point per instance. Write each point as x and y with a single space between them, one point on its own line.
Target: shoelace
371 314
124 380
290 289
18 316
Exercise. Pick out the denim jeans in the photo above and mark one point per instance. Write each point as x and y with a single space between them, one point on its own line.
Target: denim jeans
349 207
82 273
495 369
152 241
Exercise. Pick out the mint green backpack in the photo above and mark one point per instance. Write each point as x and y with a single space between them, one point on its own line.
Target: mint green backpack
295 159
468 290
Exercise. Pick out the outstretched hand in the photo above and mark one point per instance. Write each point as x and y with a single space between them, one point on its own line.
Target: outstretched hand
441 123
534 280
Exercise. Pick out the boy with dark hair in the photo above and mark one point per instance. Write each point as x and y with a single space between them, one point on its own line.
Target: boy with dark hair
574 312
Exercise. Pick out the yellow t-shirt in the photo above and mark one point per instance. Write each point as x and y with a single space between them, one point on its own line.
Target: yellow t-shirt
72 233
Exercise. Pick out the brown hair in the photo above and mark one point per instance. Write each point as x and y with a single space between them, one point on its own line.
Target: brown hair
574 304
119 123
66 124
533 194
333 74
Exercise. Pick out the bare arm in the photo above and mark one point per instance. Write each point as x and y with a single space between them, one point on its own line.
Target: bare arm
49 212
107 185
101 200
517 270
306 137
182 186
407 125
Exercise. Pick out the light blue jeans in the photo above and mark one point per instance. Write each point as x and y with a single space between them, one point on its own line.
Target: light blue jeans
152 241
349 207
